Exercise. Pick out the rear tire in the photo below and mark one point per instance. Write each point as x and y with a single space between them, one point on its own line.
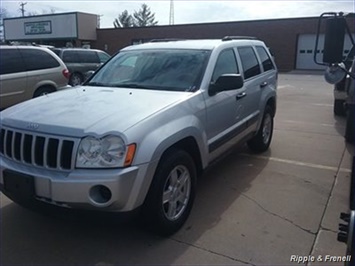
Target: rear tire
339 108
171 194
262 140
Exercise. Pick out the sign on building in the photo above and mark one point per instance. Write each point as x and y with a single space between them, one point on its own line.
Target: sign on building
40 27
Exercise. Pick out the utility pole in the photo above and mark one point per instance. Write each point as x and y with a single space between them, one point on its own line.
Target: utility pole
171 17
22 8
99 20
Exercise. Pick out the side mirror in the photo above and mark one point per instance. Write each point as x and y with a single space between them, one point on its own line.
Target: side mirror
88 74
226 82
334 40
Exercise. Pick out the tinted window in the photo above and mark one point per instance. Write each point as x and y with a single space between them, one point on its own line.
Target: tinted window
226 64
103 57
70 57
265 59
249 62
38 59
11 61
88 57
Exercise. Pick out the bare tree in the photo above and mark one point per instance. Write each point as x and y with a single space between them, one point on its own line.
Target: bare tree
144 17
124 20
3 14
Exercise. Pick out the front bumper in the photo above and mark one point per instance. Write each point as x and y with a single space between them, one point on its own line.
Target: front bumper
98 189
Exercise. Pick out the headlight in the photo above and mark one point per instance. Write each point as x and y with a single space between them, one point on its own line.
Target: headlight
109 151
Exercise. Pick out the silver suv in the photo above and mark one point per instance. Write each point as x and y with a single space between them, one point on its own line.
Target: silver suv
27 72
141 129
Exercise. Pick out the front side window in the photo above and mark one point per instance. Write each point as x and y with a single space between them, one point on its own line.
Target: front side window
226 64
103 57
250 63
265 59
38 59
175 70
11 61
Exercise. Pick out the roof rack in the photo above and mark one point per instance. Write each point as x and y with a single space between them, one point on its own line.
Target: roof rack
167 40
229 38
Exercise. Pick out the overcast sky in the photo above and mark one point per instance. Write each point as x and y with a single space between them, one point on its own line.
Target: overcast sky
185 12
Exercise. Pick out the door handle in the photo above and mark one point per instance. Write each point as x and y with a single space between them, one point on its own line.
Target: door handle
263 85
240 95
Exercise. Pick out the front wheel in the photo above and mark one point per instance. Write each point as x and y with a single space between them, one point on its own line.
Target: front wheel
171 195
262 139
43 91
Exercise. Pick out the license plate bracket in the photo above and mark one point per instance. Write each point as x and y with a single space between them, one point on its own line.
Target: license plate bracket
18 185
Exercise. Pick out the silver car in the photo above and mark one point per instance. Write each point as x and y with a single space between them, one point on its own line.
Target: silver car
141 130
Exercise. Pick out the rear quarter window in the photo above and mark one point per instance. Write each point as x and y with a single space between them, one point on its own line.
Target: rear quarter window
11 61
38 59
250 63
265 59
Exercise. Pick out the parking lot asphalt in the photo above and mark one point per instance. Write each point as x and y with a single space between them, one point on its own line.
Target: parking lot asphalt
252 209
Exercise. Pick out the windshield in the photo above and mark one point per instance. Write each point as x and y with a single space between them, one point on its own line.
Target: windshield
174 70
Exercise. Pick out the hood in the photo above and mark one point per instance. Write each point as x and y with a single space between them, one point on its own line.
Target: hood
88 110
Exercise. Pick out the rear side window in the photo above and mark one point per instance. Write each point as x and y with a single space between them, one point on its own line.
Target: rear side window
70 57
250 63
11 61
265 59
88 57
38 59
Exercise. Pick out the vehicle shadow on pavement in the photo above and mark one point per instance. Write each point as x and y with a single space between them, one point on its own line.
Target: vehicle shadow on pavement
73 238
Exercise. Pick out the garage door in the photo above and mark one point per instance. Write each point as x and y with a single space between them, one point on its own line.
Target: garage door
305 50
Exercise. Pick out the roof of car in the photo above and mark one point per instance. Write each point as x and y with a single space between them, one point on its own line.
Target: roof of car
74 49
191 44
23 47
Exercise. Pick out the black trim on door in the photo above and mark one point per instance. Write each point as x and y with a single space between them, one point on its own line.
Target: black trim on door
227 137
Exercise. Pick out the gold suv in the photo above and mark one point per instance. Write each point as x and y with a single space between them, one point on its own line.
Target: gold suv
29 71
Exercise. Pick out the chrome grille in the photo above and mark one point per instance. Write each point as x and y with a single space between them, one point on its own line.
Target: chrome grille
39 150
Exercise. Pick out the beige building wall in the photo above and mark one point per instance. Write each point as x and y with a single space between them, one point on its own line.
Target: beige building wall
87 24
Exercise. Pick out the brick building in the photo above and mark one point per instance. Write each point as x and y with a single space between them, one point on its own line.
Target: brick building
292 41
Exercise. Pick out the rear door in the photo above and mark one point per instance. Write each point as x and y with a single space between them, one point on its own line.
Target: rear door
254 83
13 78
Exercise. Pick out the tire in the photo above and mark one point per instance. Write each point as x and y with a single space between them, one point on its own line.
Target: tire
43 91
350 124
169 201
262 139
339 108
75 79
